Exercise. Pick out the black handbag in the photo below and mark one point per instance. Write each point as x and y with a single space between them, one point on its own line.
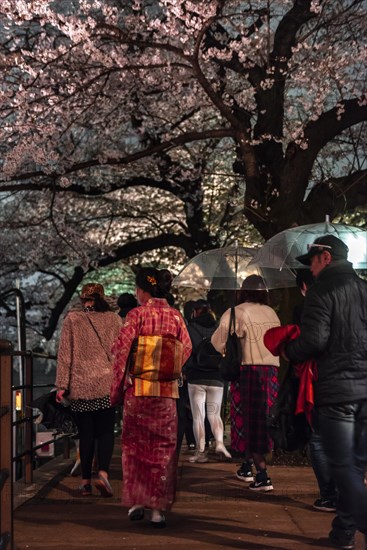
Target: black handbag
230 363
55 415
290 432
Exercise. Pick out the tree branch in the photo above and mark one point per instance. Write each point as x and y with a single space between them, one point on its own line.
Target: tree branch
121 253
333 122
69 290
150 243
299 162
270 101
128 159
336 196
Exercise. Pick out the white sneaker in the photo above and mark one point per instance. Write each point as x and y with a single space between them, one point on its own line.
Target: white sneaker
200 457
220 448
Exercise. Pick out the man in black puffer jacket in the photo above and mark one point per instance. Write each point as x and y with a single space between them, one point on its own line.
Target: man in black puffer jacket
334 333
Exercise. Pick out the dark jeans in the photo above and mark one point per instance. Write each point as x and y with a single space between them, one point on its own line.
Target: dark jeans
321 466
95 428
343 430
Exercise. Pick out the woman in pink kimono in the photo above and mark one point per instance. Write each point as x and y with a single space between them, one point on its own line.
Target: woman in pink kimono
156 335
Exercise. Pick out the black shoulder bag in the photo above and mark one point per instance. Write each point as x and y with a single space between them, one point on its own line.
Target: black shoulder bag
230 363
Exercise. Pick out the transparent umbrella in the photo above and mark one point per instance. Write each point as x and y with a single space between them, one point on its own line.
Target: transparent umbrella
281 250
226 268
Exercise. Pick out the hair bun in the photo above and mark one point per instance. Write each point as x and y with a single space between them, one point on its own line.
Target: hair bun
165 279
156 282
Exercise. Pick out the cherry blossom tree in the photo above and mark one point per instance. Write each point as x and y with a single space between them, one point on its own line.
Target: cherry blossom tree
130 127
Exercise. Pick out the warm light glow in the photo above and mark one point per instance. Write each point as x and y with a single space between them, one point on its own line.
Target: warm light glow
18 400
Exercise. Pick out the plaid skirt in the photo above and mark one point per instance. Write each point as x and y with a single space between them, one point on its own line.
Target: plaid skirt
149 458
251 398
237 419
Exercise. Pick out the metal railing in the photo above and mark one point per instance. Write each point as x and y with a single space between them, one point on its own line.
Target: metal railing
17 451
6 438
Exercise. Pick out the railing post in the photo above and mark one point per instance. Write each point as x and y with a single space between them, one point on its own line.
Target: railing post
28 427
6 452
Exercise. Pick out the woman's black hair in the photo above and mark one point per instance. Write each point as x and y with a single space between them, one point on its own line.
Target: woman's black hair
200 307
126 302
100 303
254 296
157 282
254 290
187 309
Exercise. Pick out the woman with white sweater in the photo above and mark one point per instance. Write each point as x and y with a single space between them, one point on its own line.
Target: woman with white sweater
257 386
84 373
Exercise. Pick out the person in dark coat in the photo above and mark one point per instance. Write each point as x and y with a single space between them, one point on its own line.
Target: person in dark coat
334 334
319 461
205 384
184 415
126 302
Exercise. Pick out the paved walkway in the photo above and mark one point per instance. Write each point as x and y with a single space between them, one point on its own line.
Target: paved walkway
213 510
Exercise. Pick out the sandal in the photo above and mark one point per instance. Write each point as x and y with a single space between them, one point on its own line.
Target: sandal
104 487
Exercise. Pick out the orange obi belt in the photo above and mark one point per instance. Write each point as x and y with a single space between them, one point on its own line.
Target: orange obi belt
156 364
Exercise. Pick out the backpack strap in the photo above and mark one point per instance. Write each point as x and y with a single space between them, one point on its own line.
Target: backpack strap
194 348
200 335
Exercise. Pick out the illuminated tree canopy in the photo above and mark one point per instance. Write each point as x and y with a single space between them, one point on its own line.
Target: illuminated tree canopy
164 127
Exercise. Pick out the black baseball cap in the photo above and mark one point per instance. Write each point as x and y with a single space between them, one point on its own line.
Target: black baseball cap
336 247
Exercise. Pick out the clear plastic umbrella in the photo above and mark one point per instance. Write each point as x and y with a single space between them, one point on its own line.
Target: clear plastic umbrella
226 268
281 250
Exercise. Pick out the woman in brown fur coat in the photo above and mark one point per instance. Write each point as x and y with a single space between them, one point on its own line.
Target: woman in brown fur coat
84 373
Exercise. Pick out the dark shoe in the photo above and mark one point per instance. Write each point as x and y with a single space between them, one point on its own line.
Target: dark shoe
85 490
261 484
158 524
325 505
104 487
245 472
136 514
342 539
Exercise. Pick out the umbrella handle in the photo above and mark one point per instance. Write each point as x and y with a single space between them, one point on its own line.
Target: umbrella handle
327 223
